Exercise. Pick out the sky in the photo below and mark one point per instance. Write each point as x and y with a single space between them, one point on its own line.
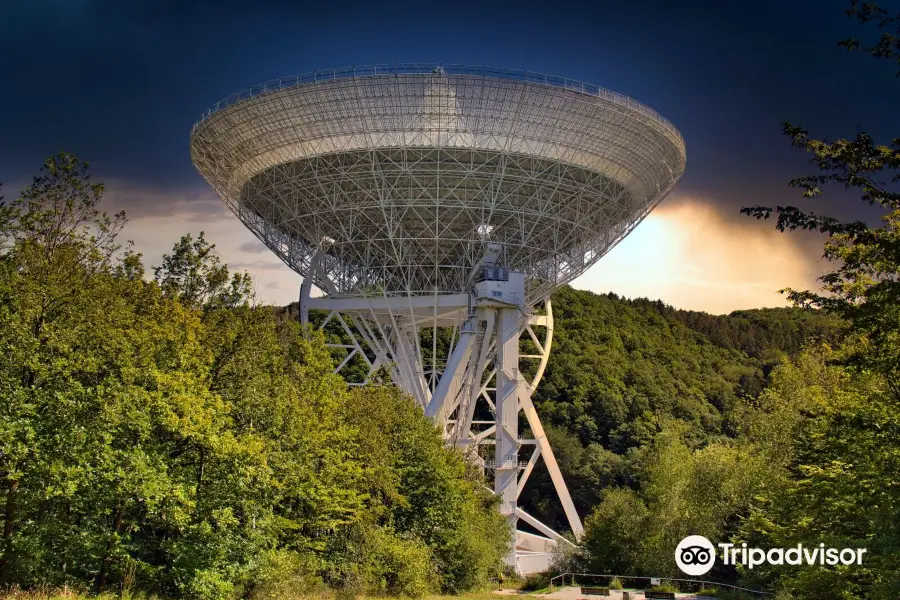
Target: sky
119 83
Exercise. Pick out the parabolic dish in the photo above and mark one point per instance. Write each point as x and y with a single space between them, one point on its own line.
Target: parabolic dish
400 175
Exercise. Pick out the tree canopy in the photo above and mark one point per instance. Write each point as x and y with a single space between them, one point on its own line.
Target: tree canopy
173 434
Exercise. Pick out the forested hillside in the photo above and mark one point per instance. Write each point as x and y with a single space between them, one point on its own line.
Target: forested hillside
662 432
623 370
763 332
618 366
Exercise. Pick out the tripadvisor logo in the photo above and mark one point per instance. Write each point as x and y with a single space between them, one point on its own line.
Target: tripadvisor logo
696 555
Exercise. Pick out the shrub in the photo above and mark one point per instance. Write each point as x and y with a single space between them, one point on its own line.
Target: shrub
279 573
536 581
399 566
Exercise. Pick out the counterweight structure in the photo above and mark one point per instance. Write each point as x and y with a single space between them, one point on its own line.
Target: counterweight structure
437 208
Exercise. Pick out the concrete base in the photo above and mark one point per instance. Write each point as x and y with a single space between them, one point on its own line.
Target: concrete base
534 553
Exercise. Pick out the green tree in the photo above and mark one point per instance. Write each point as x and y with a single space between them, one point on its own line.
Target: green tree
172 430
679 492
832 440
195 276
94 359
419 489
614 533
864 288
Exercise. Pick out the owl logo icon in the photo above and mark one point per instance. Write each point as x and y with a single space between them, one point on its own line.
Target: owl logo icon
695 555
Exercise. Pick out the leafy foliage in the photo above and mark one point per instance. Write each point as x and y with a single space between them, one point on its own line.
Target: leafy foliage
622 371
832 440
618 367
420 491
888 45
172 433
194 275
680 492
766 334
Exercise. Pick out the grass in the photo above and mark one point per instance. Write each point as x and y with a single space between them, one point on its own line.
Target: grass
51 594
665 588
537 592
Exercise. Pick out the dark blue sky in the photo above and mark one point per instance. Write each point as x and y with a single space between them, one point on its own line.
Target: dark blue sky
120 82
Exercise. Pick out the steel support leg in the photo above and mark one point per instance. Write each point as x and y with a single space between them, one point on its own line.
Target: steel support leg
507 435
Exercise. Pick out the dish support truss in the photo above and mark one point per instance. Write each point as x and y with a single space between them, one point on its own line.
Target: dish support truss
476 388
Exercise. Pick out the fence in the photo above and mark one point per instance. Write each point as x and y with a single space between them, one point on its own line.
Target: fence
685 585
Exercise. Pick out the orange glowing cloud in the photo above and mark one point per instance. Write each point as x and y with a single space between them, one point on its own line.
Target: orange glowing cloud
691 256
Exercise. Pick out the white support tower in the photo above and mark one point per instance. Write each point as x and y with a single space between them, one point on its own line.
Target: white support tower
481 394
437 208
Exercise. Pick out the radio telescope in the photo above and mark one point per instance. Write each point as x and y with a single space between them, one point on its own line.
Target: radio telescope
437 208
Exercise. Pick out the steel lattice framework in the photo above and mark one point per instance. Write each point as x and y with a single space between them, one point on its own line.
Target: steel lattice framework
411 170
450 199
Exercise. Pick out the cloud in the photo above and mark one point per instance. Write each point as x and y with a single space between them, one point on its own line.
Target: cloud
254 247
256 265
158 217
195 205
692 255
